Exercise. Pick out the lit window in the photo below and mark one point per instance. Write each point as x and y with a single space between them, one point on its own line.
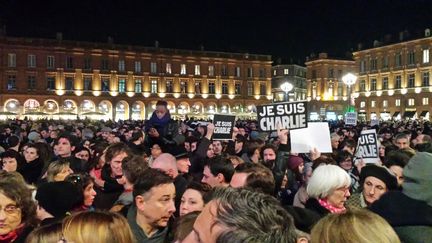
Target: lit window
373 103
237 72
286 71
411 102
138 86
398 102
183 69
168 68
362 104
426 56
425 101
122 85
197 70
211 70
385 103
154 88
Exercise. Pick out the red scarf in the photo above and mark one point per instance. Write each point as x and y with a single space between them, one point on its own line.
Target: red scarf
11 236
331 208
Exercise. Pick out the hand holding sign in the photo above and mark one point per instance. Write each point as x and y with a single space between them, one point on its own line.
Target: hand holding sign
282 134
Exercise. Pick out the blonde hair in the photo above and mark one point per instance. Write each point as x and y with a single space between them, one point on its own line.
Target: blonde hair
353 226
51 233
97 227
54 168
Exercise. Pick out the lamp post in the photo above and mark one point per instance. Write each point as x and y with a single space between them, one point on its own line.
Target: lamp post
286 87
349 79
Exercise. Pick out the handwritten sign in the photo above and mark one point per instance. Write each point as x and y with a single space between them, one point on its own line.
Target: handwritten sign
351 118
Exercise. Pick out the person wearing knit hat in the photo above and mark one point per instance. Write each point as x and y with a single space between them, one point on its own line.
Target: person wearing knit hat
56 200
374 181
410 211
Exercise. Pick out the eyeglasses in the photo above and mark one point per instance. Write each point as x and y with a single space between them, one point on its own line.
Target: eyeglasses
10 209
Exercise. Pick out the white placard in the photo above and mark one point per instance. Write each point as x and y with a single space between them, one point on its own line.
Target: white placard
316 135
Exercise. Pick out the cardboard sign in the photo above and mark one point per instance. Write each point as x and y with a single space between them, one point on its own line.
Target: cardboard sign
290 115
368 147
224 125
351 118
316 135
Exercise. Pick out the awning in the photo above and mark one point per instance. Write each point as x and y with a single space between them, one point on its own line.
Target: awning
409 114
423 113
396 113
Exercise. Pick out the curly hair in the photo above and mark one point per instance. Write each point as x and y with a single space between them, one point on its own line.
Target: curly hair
21 194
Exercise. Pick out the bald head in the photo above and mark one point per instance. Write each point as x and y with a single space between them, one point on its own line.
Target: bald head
166 163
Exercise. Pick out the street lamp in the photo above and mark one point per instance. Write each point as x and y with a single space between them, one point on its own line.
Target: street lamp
286 87
349 79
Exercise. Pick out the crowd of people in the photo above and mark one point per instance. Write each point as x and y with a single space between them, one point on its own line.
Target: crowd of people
163 180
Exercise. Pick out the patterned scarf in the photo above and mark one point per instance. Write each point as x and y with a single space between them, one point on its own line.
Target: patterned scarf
331 208
11 236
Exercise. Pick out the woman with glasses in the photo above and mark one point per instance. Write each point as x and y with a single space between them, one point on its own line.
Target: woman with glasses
328 190
17 210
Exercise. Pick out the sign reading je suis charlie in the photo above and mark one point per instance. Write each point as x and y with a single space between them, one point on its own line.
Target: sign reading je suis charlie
287 115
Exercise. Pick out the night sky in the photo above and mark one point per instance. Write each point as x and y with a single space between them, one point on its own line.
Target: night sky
285 29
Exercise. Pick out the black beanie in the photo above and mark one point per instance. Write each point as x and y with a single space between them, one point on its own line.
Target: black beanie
58 198
381 173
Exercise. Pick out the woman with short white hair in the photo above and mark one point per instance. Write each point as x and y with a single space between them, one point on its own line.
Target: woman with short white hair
328 190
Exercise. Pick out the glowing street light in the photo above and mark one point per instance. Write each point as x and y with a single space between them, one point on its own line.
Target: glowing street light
349 79
286 87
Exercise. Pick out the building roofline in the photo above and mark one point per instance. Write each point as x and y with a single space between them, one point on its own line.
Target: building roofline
393 44
136 48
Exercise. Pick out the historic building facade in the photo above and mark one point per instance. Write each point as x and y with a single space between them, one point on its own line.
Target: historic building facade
326 93
393 80
55 78
293 74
